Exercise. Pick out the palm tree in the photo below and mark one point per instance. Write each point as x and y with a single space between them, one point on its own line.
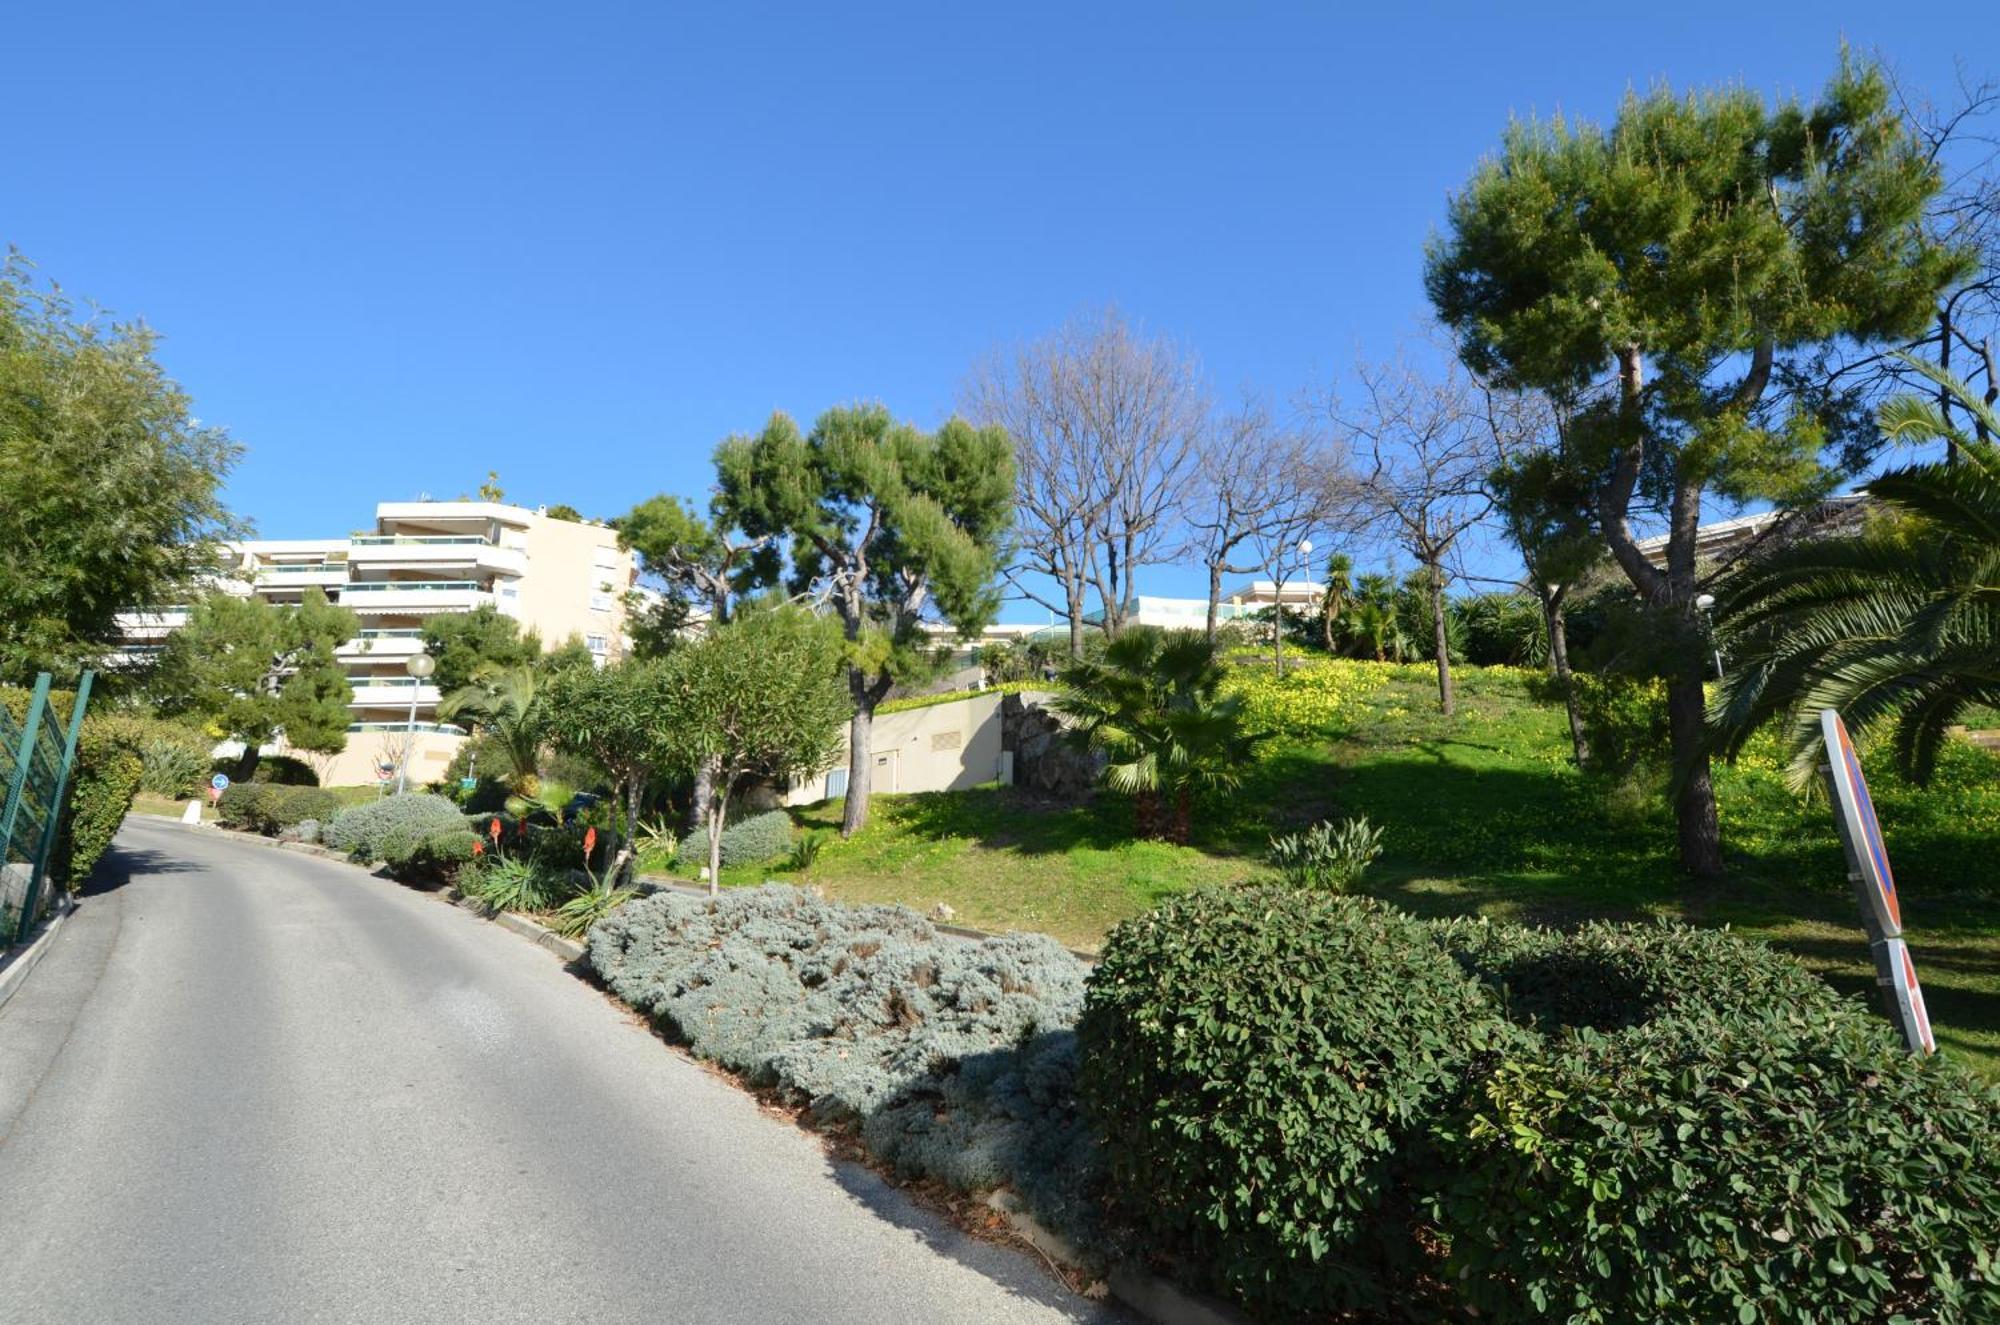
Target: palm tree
1897 625
1339 576
500 702
1153 706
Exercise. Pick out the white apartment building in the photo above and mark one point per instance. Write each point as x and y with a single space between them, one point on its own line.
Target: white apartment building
560 578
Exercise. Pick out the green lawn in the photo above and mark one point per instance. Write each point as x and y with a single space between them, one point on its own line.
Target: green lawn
1483 814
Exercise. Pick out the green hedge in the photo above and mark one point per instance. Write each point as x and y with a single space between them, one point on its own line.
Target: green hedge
1703 1131
270 808
433 855
278 770
110 761
1258 1062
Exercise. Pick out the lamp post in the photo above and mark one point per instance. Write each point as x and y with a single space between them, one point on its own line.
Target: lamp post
1704 602
419 666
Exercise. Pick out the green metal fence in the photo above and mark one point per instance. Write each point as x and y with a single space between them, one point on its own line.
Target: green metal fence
37 756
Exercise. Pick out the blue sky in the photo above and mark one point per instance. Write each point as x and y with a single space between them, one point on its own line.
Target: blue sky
393 246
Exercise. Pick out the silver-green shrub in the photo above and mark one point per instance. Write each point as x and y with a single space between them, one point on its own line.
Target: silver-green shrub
757 838
956 1058
362 830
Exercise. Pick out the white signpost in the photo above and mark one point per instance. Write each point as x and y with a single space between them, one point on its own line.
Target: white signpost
1874 885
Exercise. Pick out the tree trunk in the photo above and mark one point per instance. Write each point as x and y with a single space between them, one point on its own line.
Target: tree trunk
1441 639
1694 792
860 751
614 874
1146 814
1214 595
697 815
1278 632
717 807
246 763
1183 823
1552 614
1073 595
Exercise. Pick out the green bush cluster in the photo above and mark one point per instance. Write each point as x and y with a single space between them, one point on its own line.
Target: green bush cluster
110 762
416 854
363 831
757 839
1326 856
956 1059
1319 1105
1259 1062
271 808
1705 1131
174 762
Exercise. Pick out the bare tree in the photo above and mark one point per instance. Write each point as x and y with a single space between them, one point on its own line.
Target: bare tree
1105 423
1423 454
1307 490
1252 479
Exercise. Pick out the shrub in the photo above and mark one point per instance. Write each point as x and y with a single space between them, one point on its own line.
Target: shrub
174 762
361 829
436 857
109 764
511 884
955 1058
1792 1164
1312 700
241 806
1624 719
271 808
805 852
1257 1060
1327 858
1703 1130
757 839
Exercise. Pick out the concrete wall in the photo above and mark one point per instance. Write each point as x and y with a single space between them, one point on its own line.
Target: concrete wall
942 747
575 583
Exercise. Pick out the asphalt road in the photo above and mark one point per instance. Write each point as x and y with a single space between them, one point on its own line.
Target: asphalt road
251 1085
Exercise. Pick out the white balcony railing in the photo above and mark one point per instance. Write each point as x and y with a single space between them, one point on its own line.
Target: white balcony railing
391 692
436 552
391 644
419 596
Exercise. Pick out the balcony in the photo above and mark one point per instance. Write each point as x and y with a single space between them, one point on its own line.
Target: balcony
309 575
421 597
440 728
436 552
391 692
152 624
392 645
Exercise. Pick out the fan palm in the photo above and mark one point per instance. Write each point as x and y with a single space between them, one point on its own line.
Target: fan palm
1898 625
1339 584
1153 707
500 702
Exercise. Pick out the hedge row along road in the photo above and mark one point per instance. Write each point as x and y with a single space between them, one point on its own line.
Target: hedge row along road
250 1085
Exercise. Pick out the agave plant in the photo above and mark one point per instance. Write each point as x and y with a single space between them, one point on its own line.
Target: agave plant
1153 707
1897 626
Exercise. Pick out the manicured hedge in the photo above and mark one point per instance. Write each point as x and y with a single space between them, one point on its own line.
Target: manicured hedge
1706 1132
278 770
1263 1065
1319 1104
433 855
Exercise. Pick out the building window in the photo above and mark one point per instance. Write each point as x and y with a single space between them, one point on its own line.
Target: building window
595 643
600 602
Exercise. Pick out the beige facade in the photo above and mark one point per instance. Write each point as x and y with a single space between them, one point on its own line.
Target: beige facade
559 578
940 747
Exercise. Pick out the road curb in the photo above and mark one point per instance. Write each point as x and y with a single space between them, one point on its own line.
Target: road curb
540 935
16 965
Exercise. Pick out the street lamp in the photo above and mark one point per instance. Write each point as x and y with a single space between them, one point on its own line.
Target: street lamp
419 666
1703 602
